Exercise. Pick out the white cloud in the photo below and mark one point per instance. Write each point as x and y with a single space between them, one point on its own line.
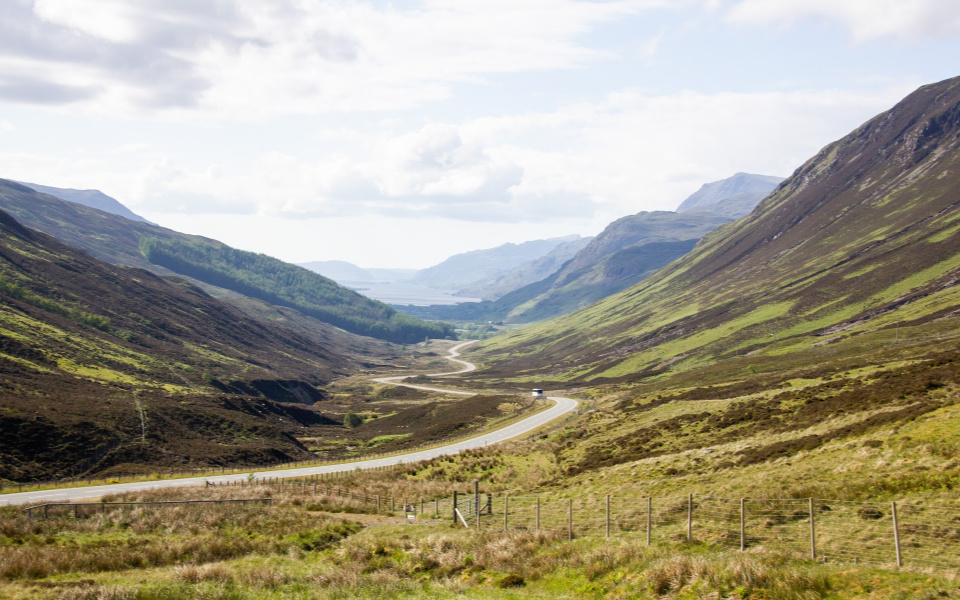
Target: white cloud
866 19
597 160
245 58
6 125
571 170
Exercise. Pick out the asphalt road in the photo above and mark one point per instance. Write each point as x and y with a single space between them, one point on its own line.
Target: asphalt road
561 407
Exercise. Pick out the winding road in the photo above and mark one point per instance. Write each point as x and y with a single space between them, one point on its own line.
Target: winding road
561 407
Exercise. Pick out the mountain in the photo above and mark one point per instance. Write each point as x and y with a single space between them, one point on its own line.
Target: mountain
105 365
860 243
123 242
624 253
503 283
462 270
92 198
734 196
345 272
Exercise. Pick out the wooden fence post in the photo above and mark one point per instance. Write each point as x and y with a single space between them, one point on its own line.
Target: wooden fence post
570 519
506 511
454 508
690 518
896 533
743 528
608 516
649 517
538 514
813 533
476 501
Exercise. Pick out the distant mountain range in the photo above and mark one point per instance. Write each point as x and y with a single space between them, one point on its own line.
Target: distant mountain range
463 271
345 272
626 252
732 197
500 284
92 198
860 243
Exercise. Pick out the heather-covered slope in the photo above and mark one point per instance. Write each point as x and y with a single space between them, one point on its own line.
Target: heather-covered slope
123 242
861 238
104 364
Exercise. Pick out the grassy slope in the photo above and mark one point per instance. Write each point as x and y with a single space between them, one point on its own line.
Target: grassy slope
85 346
862 237
118 241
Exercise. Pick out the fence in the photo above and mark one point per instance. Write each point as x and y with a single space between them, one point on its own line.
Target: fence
878 533
826 530
81 508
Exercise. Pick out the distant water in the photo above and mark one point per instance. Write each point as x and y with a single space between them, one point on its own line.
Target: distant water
405 293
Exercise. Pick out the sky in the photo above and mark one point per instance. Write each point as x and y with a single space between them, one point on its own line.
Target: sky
395 134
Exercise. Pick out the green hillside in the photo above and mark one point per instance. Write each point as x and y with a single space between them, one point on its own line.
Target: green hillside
123 242
105 365
283 284
861 239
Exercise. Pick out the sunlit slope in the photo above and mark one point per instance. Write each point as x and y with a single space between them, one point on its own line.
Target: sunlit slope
861 237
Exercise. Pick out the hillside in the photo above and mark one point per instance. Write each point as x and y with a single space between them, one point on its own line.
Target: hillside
123 242
105 365
92 198
862 239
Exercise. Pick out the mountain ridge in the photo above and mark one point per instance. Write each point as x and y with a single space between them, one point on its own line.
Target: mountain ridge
861 230
119 241
91 198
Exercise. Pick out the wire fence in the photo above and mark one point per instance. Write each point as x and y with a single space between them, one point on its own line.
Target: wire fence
825 530
878 533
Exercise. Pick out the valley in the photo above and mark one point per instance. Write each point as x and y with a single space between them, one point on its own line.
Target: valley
802 359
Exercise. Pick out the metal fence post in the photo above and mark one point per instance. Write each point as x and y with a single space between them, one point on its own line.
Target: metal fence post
896 533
